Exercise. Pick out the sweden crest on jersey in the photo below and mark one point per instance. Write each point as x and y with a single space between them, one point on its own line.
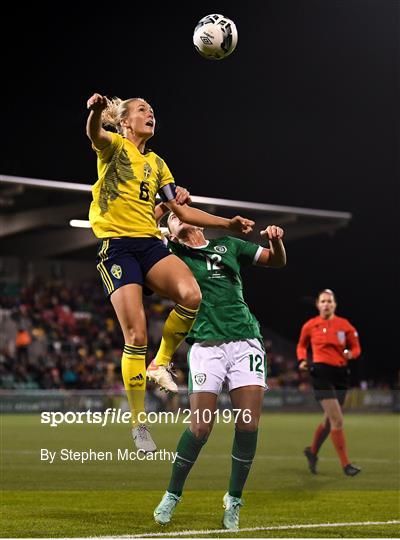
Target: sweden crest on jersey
116 271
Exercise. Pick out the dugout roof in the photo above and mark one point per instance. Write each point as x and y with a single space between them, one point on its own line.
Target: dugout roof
35 218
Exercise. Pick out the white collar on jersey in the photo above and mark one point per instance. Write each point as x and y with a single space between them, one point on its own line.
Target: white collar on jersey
196 247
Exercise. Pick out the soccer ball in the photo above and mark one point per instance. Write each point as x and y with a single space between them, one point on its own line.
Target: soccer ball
215 37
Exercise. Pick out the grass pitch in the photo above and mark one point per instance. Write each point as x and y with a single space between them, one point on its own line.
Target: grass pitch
108 498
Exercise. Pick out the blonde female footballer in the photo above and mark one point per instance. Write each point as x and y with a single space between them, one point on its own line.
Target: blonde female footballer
132 257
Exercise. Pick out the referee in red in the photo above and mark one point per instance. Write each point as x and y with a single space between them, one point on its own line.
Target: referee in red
333 342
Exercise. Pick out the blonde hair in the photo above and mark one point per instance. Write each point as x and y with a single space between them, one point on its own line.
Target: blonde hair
115 111
327 291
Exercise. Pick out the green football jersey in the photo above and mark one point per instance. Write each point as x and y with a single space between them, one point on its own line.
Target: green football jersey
223 313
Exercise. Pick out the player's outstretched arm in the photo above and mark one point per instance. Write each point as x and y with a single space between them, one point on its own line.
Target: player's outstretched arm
199 218
94 130
275 255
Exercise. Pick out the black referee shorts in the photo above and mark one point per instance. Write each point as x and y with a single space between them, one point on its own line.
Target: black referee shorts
329 382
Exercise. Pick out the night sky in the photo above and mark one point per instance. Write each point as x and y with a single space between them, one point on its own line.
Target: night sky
303 113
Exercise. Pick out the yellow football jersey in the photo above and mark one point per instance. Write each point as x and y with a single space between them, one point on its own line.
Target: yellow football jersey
124 195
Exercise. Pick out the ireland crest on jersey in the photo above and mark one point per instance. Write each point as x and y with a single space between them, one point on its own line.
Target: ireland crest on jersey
200 378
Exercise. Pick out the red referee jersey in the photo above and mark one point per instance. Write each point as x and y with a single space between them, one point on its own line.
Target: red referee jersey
328 339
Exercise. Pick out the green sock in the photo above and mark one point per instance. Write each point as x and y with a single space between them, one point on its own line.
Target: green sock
243 452
187 451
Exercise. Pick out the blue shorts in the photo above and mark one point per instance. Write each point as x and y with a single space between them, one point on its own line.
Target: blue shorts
121 261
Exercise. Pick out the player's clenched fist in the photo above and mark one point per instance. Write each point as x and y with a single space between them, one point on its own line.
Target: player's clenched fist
97 102
272 232
239 224
182 196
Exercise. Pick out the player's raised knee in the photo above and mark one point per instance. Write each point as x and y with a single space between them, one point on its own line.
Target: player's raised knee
191 296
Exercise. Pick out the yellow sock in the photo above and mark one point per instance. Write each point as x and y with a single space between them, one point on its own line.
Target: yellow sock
176 328
133 367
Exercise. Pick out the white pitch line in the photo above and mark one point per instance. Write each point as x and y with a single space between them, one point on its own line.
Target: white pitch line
300 458
252 529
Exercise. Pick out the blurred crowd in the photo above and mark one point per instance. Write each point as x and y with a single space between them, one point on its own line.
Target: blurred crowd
56 334
63 335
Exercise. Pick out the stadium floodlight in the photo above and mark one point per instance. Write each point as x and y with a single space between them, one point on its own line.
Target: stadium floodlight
80 223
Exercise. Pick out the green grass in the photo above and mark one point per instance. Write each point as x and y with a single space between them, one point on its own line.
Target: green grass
67 499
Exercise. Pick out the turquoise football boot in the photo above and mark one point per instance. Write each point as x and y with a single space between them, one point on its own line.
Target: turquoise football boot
163 512
231 515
